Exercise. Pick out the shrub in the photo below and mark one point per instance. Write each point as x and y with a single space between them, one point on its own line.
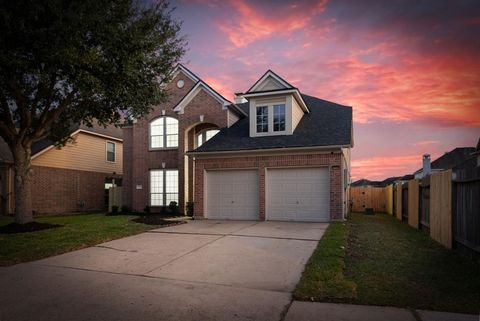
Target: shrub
147 210
173 206
114 210
189 209
125 209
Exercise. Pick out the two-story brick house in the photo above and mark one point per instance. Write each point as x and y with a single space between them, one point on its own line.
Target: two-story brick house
289 160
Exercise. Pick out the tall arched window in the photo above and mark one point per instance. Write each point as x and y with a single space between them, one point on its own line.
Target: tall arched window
206 135
164 133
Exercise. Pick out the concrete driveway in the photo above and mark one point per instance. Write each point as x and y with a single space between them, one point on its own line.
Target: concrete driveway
203 270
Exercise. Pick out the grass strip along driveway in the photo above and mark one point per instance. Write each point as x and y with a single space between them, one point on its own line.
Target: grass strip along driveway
78 231
377 260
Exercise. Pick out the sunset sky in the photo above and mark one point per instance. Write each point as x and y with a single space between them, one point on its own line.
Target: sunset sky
410 69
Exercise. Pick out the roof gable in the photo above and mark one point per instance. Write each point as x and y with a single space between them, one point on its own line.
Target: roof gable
199 86
269 81
181 68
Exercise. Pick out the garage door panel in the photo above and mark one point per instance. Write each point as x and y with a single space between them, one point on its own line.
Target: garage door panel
232 194
300 194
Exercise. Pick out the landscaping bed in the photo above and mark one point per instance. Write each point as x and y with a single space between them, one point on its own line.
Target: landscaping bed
76 232
377 260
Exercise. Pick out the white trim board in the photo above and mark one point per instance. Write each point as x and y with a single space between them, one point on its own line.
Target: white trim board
187 73
194 91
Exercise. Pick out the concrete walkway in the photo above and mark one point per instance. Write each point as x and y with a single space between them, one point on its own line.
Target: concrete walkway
203 270
316 311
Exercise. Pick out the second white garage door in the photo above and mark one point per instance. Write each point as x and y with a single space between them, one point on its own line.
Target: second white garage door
231 194
298 194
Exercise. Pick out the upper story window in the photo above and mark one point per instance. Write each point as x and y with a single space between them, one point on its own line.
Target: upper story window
279 118
262 119
164 133
111 152
206 135
271 118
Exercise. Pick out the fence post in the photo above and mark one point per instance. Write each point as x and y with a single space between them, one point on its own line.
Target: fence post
398 201
413 212
441 208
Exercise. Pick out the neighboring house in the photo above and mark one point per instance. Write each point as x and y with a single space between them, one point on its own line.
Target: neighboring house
71 178
448 160
289 161
387 181
365 182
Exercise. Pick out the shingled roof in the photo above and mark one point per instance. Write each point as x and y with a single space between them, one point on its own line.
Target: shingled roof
327 124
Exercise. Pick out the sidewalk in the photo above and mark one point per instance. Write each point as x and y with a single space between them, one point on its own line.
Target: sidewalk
316 311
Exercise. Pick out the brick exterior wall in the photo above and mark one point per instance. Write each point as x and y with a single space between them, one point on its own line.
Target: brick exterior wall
142 159
333 160
57 190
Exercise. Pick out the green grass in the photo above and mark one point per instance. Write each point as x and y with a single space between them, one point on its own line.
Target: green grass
79 231
386 262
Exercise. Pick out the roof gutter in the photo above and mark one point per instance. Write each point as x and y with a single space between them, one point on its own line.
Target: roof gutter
267 150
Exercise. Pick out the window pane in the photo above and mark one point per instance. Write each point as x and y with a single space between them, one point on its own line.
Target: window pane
262 119
279 117
156 181
110 152
210 133
172 181
111 147
171 131
171 197
172 140
156 199
199 140
156 141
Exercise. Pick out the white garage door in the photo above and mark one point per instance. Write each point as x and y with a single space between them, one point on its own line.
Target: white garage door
232 194
298 194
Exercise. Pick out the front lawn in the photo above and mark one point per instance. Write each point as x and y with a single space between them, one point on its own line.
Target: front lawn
377 260
78 231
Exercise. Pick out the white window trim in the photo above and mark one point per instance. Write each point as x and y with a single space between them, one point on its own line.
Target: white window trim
270 131
114 152
164 134
164 191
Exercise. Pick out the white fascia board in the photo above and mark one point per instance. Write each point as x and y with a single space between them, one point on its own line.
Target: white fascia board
194 91
265 76
268 150
294 91
187 73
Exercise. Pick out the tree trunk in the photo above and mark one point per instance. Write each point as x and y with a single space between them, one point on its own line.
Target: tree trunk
22 183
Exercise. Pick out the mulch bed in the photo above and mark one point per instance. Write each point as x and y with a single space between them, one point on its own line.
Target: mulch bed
14 228
156 220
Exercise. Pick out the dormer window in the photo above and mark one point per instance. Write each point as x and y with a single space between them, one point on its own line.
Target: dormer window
262 119
279 118
275 106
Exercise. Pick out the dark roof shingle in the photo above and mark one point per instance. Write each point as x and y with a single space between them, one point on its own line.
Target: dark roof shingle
327 124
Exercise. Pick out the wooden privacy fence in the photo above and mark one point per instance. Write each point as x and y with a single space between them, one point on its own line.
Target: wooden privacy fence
441 208
466 208
368 197
114 197
447 210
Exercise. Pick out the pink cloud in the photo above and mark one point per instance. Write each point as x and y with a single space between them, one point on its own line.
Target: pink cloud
250 24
